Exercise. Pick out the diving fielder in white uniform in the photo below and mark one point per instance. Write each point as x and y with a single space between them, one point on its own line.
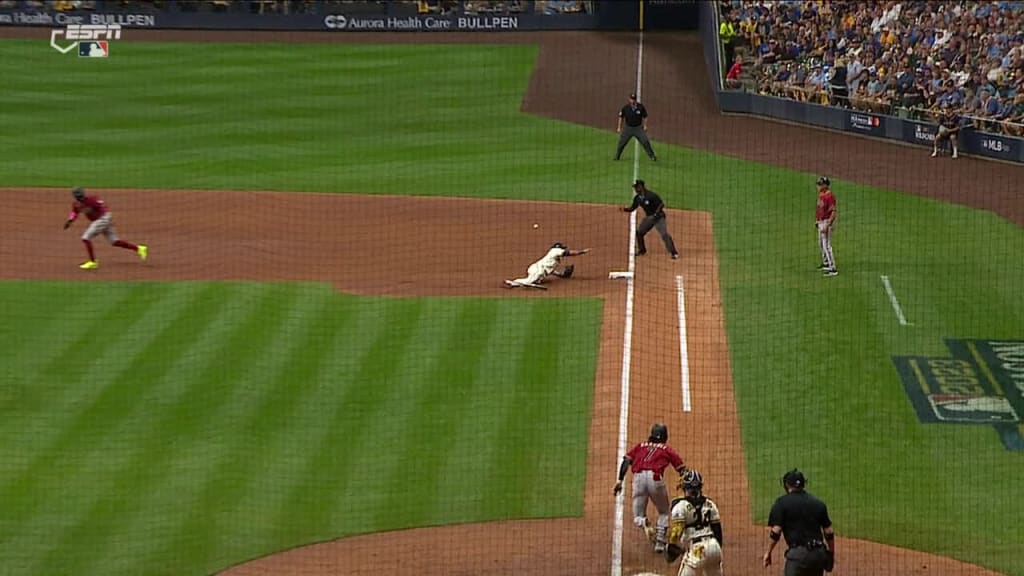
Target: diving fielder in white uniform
547 266
696 530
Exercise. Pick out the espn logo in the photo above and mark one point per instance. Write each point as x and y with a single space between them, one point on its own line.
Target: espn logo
91 39
98 49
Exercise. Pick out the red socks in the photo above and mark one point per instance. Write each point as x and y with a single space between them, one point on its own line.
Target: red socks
88 248
126 245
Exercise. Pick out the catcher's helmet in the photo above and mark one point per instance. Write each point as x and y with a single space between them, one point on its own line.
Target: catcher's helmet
558 245
78 193
824 181
692 480
659 433
794 478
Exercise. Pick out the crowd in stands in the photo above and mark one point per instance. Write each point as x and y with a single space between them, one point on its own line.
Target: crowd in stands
910 58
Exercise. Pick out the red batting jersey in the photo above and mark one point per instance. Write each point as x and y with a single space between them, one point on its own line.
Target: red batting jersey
654 457
92 207
826 205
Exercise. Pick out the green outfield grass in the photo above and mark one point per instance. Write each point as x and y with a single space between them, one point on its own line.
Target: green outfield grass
178 428
811 357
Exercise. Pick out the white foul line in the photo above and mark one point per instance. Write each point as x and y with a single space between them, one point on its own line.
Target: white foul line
684 356
895 303
627 340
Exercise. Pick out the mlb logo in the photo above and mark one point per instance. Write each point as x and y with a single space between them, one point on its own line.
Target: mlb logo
94 49
972 409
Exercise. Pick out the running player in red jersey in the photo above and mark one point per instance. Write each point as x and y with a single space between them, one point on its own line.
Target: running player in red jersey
648 461
824 220
101 222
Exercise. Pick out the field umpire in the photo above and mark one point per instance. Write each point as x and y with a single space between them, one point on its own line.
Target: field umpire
803 520
634 116
654 208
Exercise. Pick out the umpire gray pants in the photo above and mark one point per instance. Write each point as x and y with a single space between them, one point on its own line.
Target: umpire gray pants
634 132
803 561
658 222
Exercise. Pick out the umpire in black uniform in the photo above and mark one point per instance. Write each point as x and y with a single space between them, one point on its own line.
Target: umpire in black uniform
634 116
803 520
654 208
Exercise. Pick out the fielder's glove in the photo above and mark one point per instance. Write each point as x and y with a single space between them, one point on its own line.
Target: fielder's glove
567 271
672 552
618 488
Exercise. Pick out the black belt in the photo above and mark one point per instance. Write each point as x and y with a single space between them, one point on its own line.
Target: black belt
632 126
812 545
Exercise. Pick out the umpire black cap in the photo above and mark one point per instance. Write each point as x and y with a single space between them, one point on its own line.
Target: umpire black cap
794 478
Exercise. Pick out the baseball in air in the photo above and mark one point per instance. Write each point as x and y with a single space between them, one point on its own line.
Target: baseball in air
535 226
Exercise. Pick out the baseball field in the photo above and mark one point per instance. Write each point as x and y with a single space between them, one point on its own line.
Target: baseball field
318 370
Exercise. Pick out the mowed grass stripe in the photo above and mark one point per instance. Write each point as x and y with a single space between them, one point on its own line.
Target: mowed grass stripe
142 437
554 383
213 509
250 362
440 410
178 450
357 418
53 346
292 113
521 442
73 469
494 402
89 368
40 322
396 446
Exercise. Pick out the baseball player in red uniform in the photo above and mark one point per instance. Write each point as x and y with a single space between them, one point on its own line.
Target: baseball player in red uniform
825 219
648 461
100 222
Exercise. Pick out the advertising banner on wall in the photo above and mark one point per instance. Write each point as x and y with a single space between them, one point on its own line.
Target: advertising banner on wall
865 123
338 21
919 132
426 23
993 145
971 141
56 18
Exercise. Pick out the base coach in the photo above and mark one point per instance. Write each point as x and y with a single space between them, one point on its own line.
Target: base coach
803 520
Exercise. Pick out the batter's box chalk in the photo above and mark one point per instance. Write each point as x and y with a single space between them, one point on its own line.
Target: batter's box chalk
614 275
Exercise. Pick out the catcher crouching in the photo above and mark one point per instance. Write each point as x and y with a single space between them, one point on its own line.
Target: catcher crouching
695 532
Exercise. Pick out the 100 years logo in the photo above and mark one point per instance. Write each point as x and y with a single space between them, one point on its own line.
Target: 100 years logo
982 382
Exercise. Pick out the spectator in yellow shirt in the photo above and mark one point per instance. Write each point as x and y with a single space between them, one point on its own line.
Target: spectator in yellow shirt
727 33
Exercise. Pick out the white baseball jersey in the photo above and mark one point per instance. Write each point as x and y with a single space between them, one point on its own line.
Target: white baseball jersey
691 528
549 261
542 268
695 524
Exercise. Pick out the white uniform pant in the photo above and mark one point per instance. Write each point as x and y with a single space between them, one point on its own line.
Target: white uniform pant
103 225
825 244
646 487
704 558
535 274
